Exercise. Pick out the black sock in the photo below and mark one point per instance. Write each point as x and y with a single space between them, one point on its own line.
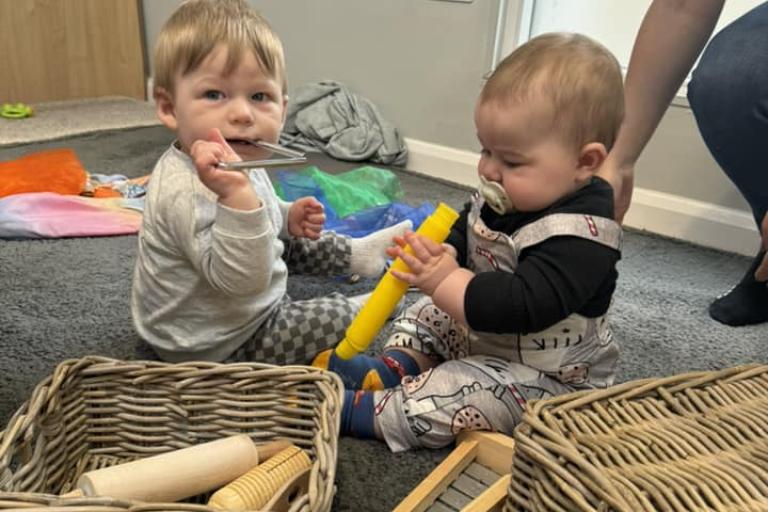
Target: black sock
746 303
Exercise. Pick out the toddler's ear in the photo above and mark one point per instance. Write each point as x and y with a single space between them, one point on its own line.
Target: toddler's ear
164 108
591 157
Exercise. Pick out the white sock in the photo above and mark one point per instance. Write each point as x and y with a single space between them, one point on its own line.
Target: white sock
369 255
361 299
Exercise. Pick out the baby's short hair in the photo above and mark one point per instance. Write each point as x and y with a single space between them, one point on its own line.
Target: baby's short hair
578 77
197 26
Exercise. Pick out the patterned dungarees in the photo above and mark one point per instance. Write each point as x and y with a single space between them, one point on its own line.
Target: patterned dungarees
487 377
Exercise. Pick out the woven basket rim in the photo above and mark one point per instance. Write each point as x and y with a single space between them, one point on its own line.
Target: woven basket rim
314 401
675 442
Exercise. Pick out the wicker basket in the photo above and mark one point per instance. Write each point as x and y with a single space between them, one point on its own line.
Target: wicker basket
94 412
690 442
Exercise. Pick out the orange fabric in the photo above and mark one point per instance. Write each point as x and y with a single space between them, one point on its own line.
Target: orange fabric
104 192
54 170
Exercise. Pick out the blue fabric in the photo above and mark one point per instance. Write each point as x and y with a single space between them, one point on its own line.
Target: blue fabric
728 94
353 371
293 185
357 414
364 222
347 192
373 219
408 363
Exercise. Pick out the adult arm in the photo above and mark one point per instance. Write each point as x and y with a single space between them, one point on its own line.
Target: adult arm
671 37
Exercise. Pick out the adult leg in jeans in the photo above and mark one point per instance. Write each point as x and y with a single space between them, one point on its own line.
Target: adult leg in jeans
728 94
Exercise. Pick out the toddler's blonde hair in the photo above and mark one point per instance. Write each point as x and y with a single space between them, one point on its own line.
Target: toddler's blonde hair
579 79
197 26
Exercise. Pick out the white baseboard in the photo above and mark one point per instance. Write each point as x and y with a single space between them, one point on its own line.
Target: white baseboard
456 165
678 217
706 224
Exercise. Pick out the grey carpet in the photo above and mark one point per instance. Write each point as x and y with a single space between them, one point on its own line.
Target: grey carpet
68 298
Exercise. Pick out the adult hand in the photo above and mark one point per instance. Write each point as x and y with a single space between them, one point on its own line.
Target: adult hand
306 218
761 274
429 264
621 178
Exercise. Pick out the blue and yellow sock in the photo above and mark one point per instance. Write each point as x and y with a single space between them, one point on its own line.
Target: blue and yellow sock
357 414
368 372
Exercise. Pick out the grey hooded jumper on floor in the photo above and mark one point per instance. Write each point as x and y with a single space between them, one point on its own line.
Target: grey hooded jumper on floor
328 117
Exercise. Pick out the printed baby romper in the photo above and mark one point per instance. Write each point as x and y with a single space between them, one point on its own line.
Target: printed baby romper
486 378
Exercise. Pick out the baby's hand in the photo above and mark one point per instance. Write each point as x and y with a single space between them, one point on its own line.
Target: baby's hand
233 187
306 218
429 264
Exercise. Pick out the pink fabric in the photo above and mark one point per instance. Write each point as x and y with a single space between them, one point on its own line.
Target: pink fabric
50 215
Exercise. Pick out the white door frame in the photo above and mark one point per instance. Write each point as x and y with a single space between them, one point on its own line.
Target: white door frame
514 21
513 27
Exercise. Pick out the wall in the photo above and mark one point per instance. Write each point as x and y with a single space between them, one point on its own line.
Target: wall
676 162
677 179
422 62
612 23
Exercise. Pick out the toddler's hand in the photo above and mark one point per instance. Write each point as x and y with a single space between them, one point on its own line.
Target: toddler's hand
233 187
429 264
306 218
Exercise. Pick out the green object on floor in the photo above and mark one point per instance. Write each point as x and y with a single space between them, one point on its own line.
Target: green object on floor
15 110
348 192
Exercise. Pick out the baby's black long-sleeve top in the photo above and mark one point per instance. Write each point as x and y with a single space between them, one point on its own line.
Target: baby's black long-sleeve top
555 278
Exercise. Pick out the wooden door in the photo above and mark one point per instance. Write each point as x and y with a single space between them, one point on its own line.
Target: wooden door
68 49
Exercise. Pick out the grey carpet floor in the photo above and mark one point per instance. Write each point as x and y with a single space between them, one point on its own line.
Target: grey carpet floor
68 298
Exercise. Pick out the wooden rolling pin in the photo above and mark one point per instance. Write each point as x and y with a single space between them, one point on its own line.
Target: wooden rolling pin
181 473
258 486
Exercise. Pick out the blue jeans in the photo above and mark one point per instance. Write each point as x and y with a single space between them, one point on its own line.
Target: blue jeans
728 94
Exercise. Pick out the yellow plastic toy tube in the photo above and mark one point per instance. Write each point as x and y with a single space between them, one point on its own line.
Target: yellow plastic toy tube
390 290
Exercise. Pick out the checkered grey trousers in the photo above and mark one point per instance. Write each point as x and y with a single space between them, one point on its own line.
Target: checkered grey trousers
297 331
330 255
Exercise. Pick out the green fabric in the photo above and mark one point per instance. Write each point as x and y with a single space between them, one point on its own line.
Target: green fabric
358 189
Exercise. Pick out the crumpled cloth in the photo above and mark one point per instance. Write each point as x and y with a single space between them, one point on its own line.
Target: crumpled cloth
53 170
327 116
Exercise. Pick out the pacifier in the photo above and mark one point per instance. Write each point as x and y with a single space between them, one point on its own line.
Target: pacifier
495 196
